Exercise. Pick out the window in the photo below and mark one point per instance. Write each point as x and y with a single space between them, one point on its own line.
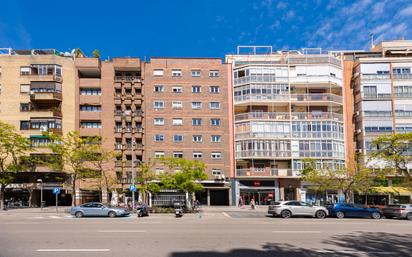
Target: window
177 89
216 155
369 91
90 108
197 155
158 104
177 122
24 125
195 73
177 154
159 88
39 142
196 121
90 91
159 154
214 89
176 73
177 138
90 124
214 105
214 73
158 72
215 122
159 171
197 138
24 88
24 107
159 138
24 71
215 138
216 172
177 104
159 121
196 105
196 89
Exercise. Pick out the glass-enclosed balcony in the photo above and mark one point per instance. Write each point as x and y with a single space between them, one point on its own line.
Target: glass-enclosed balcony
265 172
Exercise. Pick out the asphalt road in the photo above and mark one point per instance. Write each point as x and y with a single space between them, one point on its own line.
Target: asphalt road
227 234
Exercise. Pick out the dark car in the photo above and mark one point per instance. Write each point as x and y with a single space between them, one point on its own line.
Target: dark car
343 210
401 211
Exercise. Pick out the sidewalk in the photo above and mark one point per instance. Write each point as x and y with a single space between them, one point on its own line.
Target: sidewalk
245 208
61 209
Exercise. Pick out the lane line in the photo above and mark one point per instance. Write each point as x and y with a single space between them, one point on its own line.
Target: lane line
226 215
72 250
355 252
297 231
122 231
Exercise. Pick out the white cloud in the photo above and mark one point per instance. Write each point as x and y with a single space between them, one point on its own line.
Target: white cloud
406 12
281 5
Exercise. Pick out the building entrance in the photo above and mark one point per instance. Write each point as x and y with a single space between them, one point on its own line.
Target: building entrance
262 197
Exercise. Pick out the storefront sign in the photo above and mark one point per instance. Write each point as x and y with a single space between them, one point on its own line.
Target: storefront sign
256 183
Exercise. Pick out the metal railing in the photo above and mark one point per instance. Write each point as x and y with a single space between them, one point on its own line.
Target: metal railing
262 116
259 79
266 172
262 154
127 78
325 97
261 97
282 116
375 76
402 76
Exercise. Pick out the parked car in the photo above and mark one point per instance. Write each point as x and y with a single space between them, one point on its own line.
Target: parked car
287 209
402 211
97 210
342 210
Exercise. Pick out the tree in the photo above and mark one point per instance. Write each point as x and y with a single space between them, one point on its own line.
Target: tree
187 176
358 179
395 151
146 179
96 53
13 147
72 156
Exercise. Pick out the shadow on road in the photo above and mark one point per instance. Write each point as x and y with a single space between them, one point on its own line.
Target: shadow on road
354 244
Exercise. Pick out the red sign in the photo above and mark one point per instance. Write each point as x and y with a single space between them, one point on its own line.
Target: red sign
256 183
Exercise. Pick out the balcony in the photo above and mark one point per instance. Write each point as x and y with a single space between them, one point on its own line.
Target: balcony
89 82
259 79
261 98
46 96
41 113
129 79
88 67
317 116
375 76
376 97
324 98
262 154
316 79
254 134
265 172
286 116
402 76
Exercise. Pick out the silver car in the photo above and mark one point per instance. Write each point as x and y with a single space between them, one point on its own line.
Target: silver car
402 211
287 209
97 210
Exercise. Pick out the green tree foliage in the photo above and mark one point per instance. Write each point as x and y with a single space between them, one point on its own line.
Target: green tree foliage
358 179
188 176
146 179
396 151
96 53
13 148
73 155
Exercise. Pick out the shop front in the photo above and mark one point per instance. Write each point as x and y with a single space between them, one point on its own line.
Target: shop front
262 191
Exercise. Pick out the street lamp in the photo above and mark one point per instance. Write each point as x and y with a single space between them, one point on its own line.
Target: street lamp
41 193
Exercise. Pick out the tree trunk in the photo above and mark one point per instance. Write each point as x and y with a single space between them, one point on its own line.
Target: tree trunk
347 196
74 190
2 196
30 196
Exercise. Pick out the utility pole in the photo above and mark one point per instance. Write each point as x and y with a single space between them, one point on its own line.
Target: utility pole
41 193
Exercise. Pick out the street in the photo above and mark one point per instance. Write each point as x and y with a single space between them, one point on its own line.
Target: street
227 232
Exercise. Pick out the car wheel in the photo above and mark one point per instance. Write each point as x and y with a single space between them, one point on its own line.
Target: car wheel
274 215
78 214
409 216
340 215
320 214
286 214
376 215
112 214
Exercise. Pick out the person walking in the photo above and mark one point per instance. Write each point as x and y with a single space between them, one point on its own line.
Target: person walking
252 203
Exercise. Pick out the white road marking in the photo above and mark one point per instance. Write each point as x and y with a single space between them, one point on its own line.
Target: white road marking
226 215
297 232
122 231
72 250
55 217
354 252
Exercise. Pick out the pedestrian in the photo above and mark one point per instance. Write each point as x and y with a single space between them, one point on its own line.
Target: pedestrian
252 203
240 202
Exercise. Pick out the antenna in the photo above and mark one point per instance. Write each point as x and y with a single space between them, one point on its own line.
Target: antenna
371 38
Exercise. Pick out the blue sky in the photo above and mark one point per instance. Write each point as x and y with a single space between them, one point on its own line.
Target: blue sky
208 28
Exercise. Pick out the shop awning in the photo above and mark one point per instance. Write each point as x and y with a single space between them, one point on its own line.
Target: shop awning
38 136
391 190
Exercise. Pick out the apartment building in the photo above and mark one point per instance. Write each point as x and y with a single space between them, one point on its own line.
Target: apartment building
288 105
37 94
381 83
109 106
187 116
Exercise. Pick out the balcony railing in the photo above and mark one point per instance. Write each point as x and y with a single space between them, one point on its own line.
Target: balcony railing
259 79
282 116
317 98
38 96
262 116
127 78
402 76
316 79
261 97
47 112
375 76
376 96
128 113
255 134
263 154
316 116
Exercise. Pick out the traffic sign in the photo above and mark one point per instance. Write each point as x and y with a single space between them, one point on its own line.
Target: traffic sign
56 190
132 188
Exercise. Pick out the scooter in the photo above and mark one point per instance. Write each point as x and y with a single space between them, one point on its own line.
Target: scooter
178 210
142 210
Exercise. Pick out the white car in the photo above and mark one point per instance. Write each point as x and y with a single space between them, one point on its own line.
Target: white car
287 209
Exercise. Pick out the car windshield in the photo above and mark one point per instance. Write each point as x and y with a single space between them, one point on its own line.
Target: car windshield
274 203
394 206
